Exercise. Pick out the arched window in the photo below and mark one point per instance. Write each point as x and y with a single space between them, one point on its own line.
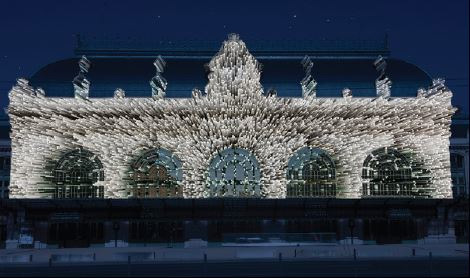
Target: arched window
234 172
388 172
75 175
311 173
156 174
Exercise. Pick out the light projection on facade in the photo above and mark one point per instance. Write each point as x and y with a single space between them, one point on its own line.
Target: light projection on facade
308 84
233 139
311 173
76 175
81 85
158 82
388 172
234 173
382 83
156 173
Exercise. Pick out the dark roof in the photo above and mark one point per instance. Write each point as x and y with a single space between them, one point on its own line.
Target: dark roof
119 47
284 75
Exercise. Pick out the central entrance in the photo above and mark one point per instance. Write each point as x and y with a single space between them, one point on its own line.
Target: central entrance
234 172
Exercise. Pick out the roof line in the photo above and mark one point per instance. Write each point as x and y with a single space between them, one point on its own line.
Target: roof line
92 46
208 57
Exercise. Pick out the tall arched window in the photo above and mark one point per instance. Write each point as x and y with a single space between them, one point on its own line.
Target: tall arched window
75 175
156 174
234 172
311 173
388 172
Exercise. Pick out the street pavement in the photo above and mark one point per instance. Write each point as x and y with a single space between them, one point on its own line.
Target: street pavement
417 267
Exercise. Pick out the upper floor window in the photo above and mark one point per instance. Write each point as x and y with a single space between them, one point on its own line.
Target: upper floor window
456 161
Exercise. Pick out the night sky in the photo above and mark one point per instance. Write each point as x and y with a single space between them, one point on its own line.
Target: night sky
431 34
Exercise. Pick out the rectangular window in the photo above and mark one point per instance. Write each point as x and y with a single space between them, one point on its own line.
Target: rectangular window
461 180
458 178
456 161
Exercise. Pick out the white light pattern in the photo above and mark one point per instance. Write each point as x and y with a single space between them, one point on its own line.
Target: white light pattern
119 93
309 85
234 173
382 83
233 112
158 82
81 85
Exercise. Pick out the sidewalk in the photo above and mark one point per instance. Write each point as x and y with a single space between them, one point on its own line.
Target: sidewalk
135 254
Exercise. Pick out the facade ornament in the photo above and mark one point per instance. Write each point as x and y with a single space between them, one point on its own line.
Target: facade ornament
196 93
23 85
119 93
81 85
347 93
233 37
234 73
309 85
40 92
158 82
421 92
383 84
437 86
271 92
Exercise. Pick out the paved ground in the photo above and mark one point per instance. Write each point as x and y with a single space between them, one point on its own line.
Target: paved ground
449 260
435 267
232 253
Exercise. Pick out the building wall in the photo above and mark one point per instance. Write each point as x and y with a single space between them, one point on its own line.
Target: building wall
371 124
458 145
459 152
234 112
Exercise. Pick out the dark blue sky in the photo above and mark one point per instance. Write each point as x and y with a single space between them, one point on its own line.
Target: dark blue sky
431 34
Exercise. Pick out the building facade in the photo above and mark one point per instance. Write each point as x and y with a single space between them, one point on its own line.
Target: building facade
232 140
340 146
